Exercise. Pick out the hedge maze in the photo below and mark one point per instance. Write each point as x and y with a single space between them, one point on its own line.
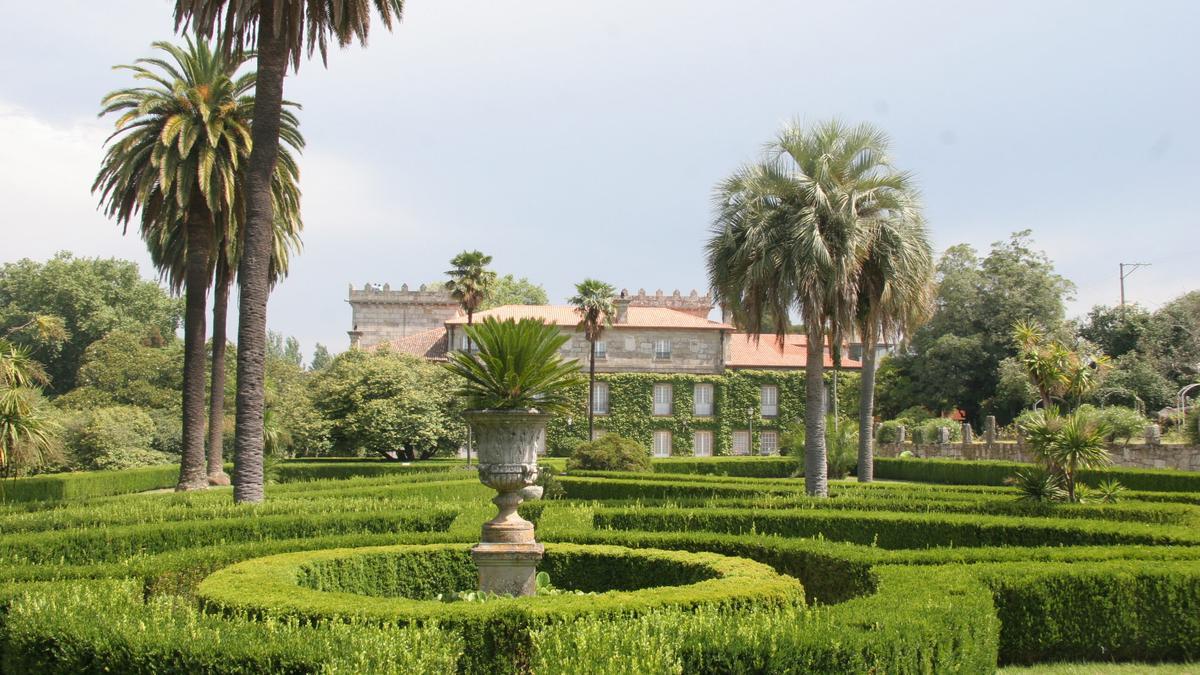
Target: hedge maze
705 566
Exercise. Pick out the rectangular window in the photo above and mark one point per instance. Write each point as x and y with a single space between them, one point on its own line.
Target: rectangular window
662 399
702 444
741 442
601 349
769 400
662 444
600 398
704 400
768 443
662 349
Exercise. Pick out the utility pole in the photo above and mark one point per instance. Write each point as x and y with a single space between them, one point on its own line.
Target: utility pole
1132 268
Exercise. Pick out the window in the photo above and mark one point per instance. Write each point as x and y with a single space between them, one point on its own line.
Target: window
601 349
662 349
769 400
741 442
702 444
600 398
662 399
662 444
768 443
704 400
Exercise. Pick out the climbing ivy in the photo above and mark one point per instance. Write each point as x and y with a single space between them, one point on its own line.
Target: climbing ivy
735 406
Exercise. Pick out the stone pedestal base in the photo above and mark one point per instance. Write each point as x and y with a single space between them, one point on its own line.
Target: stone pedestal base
508 569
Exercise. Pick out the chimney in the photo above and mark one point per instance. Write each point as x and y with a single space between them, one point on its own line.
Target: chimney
622 305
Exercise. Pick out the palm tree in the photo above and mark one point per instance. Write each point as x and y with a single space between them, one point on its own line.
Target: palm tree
193 129
175 157
470 281
895 296
792 231
594 303
27 432
281 31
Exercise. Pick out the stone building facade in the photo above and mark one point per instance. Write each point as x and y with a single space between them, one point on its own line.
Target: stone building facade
380 314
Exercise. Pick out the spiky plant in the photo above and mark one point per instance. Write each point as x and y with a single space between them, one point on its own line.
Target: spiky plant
517 366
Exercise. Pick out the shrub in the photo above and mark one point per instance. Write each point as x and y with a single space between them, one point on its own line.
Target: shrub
117 437
914 416
889 431
1123 423
988 472
565 446
927 432
841 447
610 453
754 467
82 485
1192 424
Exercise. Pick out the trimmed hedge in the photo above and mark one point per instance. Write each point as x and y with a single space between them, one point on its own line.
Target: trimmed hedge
496 632
56 631
988 472
1120 610
895 530
85 484
750 467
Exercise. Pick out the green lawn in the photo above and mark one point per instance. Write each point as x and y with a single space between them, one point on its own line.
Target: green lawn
1104 669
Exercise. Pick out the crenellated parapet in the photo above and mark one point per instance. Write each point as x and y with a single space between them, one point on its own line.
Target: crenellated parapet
382 314
693 304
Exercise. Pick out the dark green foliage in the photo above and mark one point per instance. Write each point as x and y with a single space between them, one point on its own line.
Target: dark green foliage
610 453
82 485
960 472
1122 610
757 467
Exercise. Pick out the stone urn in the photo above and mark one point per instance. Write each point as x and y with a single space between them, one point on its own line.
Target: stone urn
506 444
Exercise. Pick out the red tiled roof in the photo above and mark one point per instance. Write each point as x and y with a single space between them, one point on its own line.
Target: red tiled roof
430 344
565 315
767 353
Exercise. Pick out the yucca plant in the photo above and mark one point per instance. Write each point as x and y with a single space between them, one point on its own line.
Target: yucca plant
1038 484
1109 491
517 366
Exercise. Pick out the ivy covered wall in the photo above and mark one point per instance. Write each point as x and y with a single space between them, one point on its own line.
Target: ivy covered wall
735 405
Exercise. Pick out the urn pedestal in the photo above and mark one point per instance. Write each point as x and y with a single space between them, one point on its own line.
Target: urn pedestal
506 446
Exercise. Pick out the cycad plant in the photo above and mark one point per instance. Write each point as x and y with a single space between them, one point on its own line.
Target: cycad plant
517 366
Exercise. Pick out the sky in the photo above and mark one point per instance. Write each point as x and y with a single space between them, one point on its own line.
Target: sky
583 139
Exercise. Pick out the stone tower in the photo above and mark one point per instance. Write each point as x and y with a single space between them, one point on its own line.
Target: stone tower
382 315
695 304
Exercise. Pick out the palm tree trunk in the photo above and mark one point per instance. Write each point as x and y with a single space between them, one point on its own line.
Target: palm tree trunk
816 481
216 406
866 409
592 391
254 269
192 475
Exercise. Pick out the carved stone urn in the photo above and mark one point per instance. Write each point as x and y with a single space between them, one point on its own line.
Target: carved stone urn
506 443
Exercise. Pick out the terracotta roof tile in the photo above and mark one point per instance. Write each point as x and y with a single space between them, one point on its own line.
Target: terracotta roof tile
565 315
430 344
767 353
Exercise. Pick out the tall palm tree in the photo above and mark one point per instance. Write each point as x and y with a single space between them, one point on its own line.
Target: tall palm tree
281 31
470 281
175 157
27 432
792 231
193 127
594 303
895 296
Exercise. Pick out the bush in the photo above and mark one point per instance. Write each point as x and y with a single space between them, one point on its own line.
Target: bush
83 485
1192 424
889 431
117 437
927 432
566 446
914 416
751 467
610 453
1123 423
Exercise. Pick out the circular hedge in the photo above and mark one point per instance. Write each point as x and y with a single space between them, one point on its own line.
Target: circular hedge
397 585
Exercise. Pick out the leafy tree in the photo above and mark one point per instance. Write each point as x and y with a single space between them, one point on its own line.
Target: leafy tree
87 298
1172 339
1057 371
508 290
977 303
321 358
1133 379
116 437
593 301
470 281
1115 330
285 349
279 31
818 195
131 368
397 405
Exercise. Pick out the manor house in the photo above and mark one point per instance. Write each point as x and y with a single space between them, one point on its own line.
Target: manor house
651 333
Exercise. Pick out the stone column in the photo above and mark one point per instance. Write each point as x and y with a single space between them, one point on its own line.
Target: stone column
943 441
968 434
1153 435
901 435
989 429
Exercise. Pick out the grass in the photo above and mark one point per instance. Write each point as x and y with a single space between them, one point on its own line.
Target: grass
1104 669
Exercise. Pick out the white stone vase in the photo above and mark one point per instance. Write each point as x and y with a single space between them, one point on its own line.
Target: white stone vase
506 445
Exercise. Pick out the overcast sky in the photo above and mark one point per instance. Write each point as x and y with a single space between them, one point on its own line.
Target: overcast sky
575 139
